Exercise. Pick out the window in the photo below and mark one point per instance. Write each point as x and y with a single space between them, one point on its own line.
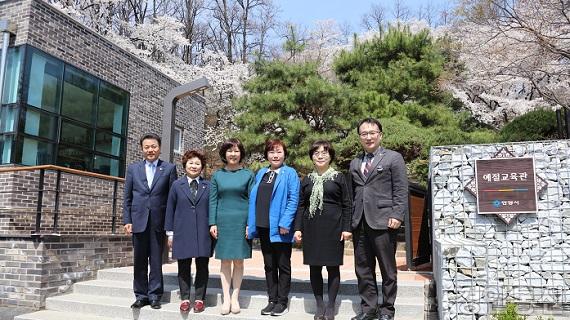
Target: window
74 158
178 140
111 109
8 118
73 133
35 152
45 78
12 76
79 94
106 165
40 124
6 148
60 114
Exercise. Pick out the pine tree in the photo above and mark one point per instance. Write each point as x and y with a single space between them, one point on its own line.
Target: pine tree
396 78
294 103
393 78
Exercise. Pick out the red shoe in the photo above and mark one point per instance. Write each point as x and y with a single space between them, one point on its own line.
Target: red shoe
185 306
199 306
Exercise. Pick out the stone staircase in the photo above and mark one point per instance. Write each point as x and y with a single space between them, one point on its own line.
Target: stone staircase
110 297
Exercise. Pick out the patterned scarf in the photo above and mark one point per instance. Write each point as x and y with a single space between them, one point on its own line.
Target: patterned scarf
316 199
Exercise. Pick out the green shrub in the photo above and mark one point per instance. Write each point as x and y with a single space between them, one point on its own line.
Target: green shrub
539 124
509 313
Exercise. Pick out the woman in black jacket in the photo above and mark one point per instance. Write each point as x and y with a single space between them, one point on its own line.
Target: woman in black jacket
323 224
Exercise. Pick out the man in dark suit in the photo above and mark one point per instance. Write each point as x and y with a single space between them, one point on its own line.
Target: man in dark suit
380 189
146 191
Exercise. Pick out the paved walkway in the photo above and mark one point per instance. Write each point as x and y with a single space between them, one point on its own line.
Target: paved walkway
254 267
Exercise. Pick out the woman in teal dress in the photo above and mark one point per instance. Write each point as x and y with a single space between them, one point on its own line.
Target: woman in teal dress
229 197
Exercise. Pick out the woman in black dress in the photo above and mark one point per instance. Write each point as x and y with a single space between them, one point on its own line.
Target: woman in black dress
323 224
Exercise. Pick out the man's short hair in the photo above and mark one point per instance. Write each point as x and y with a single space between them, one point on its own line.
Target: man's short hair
371 121
150 136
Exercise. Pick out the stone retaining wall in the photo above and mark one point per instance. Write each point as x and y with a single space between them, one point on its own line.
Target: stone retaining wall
480 262
32 269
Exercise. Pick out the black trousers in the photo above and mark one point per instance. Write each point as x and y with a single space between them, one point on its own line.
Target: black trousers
371 245
185 277
147 251
277 261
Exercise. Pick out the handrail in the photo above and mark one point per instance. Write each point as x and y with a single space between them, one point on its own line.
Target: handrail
63 169
40 191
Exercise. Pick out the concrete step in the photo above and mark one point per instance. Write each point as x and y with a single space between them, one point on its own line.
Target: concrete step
66 315
347 287
248 299
58 315
119 308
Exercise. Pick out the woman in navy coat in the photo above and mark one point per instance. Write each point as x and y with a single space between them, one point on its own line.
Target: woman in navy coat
188 229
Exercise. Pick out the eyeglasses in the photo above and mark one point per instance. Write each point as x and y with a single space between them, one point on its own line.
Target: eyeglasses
321 154
368 133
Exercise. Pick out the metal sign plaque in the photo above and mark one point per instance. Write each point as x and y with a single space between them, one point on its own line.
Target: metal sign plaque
506 186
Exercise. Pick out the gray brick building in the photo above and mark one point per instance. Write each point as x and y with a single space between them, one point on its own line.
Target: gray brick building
74 99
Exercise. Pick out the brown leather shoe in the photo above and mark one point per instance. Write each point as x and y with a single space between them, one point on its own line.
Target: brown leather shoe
185 306
199 306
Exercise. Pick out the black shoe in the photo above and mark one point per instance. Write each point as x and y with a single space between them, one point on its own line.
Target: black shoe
155 304
140 303
279 310
386 317
268 308
364 316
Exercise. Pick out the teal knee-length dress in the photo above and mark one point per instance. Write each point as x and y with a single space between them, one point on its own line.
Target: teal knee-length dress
229 197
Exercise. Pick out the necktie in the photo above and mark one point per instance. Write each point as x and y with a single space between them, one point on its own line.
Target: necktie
368 164
194 189
150 176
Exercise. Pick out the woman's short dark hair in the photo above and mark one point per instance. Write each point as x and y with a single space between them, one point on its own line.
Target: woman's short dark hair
271 144
327 146
193 154
150 136
228 144
371 121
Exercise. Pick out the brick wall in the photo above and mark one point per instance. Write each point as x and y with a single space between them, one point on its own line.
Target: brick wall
44 27
85 204
32 269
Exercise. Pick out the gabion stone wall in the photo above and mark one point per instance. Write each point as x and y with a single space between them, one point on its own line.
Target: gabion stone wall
481 262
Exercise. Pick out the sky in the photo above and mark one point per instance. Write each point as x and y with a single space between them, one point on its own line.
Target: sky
305 12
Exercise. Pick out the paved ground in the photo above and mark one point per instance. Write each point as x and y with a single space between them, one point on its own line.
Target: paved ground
8 313
254 267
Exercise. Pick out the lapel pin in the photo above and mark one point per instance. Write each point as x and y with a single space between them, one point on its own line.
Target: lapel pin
160 168
380 168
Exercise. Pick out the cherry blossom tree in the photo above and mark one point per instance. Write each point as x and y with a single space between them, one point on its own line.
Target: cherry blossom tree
515 55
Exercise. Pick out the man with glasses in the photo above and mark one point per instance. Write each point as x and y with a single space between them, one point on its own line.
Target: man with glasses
380 190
